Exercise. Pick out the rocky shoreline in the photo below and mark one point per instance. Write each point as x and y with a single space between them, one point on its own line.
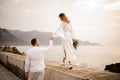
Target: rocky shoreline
113 68
13 50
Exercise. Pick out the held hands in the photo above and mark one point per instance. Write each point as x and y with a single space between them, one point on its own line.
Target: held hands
51 37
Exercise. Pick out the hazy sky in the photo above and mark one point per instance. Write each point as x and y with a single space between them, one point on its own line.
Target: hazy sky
93 20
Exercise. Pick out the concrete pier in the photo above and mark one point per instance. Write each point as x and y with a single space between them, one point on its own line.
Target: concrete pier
54 71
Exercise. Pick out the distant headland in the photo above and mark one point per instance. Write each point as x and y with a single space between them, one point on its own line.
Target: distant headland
17 37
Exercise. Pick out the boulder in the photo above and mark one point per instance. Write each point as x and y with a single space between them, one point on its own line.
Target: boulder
1 48
15 50
113 68
10 50
6 48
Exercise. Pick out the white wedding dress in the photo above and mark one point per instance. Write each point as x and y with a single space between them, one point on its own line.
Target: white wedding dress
65 31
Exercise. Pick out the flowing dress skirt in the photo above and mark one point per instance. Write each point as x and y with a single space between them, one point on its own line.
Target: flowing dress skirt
67 43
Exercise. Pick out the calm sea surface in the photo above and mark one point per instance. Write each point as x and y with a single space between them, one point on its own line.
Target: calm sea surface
88 56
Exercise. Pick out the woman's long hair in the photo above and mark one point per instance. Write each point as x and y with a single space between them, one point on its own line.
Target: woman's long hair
64 18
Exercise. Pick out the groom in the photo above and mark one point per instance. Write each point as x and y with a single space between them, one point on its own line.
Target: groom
34 62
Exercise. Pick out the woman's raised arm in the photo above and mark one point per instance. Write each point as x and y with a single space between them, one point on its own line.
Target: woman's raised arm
59 30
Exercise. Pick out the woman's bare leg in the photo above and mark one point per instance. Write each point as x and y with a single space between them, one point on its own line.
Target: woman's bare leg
70 63
64 56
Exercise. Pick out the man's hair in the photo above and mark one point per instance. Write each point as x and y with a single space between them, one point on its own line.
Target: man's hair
33 41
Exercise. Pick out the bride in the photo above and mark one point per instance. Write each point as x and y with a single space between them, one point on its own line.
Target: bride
67 39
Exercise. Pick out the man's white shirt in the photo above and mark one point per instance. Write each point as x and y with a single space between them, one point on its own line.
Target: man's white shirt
34 61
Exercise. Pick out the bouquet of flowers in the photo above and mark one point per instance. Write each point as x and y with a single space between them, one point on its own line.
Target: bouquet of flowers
75 43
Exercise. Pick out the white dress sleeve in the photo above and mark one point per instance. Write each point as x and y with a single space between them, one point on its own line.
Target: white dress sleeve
59 31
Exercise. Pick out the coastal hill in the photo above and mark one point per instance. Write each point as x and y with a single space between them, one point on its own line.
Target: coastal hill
6 38
17 37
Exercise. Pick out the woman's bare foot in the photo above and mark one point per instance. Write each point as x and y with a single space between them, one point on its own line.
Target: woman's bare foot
63 64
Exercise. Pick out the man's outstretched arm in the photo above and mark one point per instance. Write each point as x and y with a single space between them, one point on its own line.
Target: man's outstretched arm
50 44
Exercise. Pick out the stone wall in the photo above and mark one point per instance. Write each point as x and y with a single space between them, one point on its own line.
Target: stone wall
14 63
